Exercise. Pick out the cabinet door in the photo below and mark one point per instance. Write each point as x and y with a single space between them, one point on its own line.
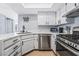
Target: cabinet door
53 45
41 19
27 46
36 43
46 18
51 19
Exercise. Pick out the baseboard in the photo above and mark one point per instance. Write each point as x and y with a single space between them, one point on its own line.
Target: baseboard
30 51
55 53
45 50
27 53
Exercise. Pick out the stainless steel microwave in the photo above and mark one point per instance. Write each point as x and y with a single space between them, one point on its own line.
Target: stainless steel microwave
54 29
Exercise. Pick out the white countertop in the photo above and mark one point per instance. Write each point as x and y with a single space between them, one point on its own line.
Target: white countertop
43 33
37 33
7 36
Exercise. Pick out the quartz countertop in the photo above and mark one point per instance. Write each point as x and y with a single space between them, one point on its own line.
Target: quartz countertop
35 33
42 33
7 36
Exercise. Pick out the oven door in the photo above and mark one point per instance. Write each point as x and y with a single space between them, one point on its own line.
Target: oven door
64 49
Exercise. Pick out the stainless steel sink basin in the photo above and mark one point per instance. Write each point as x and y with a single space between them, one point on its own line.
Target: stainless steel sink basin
24 33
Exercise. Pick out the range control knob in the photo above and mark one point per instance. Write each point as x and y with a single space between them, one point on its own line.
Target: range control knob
75 45
70 44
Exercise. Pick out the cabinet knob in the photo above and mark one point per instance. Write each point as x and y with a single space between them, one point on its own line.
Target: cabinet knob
65 3
75 4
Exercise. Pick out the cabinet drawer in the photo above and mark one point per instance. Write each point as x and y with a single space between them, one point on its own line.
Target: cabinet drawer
10 42
17 52
13 48
35 36
27 36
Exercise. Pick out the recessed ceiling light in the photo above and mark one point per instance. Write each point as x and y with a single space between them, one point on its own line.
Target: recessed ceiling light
37 5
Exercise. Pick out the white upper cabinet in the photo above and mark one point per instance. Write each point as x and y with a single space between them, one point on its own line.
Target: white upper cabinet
46 18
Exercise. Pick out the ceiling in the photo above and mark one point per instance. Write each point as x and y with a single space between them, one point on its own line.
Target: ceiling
31 8
37 5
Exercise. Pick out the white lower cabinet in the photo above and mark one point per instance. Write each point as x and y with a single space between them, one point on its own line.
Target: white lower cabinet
35 41
27 45
11 41
10 46
18 45
10 50
53 45
17 52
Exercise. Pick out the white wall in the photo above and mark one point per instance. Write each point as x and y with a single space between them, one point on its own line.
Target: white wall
32 25
44 28
8 12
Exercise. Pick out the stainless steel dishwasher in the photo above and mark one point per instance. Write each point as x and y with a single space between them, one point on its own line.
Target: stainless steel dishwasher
44 42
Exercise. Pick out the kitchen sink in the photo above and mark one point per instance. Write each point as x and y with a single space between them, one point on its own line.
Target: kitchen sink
24 33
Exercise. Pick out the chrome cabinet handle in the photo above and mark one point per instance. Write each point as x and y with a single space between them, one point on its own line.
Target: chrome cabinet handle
16 53
15 40
22 43
15 47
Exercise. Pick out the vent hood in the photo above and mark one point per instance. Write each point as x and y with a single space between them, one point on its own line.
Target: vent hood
73 13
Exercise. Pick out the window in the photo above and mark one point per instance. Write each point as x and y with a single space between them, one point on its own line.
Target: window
9 25
6 25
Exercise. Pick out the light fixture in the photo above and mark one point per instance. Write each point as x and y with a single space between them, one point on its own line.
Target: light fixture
26 18
37 5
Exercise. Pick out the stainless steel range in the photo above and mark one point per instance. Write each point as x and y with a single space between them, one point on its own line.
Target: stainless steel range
70 41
